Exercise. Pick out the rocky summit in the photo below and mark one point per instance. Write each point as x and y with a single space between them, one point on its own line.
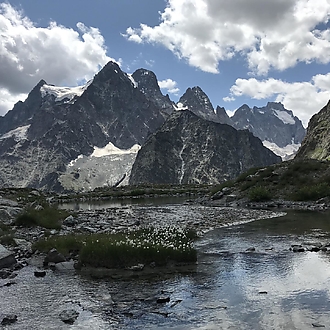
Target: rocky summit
189 149
316 144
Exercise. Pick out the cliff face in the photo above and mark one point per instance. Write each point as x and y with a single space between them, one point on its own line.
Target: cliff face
316 144
188 149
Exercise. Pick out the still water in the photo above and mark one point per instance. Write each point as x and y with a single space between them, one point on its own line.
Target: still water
269 288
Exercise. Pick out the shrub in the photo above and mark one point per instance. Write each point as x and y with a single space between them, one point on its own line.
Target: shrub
259 194
312 192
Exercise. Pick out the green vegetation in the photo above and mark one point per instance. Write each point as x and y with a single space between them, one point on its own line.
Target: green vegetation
259 194
312 192
47 217
158 245
305 180
6 235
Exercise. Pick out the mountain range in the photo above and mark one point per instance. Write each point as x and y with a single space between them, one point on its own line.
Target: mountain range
83 137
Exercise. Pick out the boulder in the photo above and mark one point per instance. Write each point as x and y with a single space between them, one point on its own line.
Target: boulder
7 258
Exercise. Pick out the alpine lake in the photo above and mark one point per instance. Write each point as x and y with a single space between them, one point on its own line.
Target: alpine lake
248 276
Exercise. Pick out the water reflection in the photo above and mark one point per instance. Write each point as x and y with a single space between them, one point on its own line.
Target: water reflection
120 202
232 288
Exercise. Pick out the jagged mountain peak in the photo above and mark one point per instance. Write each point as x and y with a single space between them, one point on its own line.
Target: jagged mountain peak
195 100
147 83
272 123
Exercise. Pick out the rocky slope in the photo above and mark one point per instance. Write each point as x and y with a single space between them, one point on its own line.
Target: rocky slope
316 144
188 149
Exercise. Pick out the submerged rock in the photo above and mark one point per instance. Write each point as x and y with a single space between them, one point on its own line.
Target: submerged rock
69 316
9 319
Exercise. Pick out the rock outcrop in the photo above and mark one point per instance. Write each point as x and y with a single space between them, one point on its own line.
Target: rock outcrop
316 144
188 149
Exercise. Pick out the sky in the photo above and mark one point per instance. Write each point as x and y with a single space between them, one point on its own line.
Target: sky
238 51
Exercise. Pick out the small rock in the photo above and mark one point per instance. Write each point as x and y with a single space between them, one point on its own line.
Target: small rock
54 256
263 292
297 248
39 273
251 249
137 267
9 319
69 316
70 221
318 325
163 300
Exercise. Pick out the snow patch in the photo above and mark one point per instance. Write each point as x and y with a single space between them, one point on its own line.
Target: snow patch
286 152
284 116
111 149
19 133
62 93
73 162
180 106
135 84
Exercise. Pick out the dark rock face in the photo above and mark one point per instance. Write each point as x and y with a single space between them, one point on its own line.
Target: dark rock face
44 133
222 116
147 83
272 123
316 144
195 100
188 149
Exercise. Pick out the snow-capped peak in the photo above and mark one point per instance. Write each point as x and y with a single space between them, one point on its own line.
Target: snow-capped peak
64 93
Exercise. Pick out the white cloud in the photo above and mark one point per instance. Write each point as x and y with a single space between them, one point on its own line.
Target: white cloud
59 55
303 98
270 34
170 85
